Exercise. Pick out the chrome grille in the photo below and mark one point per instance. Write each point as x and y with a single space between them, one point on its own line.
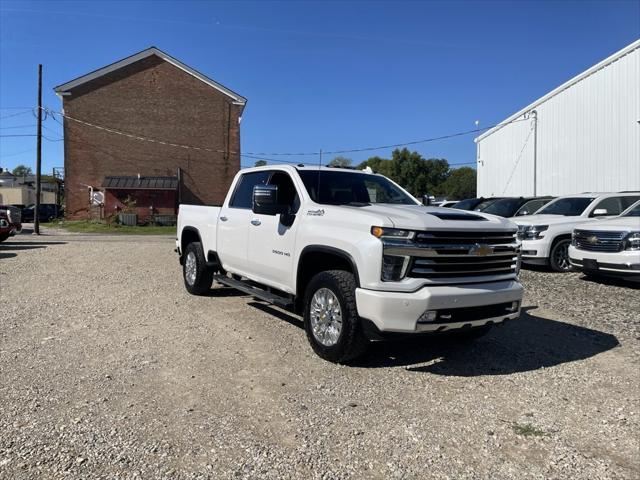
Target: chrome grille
443 255
14 214
599 241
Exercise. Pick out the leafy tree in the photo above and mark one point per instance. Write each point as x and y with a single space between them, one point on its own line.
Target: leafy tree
408 169
460 184
261 163
340 161
22 170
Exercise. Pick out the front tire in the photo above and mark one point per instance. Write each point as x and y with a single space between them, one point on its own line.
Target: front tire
331 319
197 276
559 256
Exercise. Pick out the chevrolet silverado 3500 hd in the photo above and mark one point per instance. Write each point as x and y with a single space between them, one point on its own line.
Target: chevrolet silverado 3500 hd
355 254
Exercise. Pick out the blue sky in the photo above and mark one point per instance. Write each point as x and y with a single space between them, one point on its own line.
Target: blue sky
330 75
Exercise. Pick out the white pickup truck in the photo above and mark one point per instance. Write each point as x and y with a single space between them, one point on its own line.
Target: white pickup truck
355 254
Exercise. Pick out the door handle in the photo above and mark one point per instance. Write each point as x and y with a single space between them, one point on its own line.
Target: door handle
255 222
223 219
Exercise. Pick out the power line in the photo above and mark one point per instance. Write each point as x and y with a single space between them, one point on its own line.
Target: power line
265 154
526 141
18 153
20 135
16 114
17 126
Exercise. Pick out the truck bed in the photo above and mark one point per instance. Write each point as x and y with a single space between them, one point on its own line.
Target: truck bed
203 219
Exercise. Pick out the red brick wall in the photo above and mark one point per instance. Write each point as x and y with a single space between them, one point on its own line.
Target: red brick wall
151 98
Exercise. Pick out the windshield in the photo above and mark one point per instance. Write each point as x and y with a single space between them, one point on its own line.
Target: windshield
505 208
633 211
569 207
351 188
467 204
482 205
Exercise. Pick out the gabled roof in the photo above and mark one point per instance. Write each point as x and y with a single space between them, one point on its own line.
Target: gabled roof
65 87
599 66
140 183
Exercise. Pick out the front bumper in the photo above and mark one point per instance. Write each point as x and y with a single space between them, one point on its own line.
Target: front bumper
625 263
535 251
400 311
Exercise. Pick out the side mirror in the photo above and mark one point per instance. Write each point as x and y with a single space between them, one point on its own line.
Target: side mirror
522 212
598 212
426 200
265 200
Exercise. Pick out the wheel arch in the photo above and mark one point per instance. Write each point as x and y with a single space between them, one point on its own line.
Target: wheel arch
318 258
188 235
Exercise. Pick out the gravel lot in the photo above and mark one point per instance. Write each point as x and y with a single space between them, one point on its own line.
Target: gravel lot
109 369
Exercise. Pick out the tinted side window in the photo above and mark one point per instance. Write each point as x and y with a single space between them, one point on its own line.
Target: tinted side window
243 195
612 205
628 201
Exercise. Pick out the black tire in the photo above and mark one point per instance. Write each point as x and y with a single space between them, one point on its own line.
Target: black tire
4 236
197 281
351 342
559 255
470 334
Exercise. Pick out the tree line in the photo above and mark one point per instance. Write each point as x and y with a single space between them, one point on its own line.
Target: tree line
418 175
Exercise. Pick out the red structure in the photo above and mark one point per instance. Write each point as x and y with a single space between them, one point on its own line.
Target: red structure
152 195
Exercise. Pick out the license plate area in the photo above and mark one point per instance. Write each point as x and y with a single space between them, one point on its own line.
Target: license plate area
590 264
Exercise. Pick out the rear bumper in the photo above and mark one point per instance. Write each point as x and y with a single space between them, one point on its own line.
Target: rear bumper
626 263
401 312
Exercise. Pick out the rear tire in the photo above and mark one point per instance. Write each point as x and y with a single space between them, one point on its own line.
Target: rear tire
197 276
331 319
559 256
4 236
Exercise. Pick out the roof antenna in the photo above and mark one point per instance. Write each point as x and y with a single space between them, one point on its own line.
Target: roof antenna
319 171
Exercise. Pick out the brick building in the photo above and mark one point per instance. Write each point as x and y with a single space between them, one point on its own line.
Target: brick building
151 95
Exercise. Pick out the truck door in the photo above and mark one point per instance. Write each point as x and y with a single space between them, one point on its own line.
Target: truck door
272 237
233 222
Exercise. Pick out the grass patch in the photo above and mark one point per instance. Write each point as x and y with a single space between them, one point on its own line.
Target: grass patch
95 226
528 430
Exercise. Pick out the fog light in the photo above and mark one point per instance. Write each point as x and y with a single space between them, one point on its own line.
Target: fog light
428 316
393 267
514 307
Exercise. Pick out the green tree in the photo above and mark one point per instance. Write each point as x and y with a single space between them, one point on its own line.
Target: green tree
261 163
340 161
408 169
22 170
460 184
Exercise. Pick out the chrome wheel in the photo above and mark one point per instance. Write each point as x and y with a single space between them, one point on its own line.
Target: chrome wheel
190 270
326 317
561 256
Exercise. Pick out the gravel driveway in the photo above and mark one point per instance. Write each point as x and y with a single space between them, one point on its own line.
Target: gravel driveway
109 369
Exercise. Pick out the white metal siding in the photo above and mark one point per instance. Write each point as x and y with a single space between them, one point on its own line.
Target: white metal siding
588 138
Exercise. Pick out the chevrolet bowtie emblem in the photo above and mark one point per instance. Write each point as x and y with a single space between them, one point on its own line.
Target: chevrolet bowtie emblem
481 250
592 239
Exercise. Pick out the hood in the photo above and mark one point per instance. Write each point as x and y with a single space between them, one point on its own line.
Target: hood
549 220
419 217
613 224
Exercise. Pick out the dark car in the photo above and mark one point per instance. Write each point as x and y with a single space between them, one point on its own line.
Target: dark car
516 206
13 216
47 212
5 228
475 203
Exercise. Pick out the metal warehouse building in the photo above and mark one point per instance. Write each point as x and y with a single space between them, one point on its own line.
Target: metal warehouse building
583 136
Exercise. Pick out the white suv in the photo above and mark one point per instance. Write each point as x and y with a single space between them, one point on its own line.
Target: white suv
546 236
609 247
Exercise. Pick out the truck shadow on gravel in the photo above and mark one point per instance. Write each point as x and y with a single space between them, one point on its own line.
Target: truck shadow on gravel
523 345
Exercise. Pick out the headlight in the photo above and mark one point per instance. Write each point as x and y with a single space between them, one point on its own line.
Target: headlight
385 233
533 232
632 242
394 267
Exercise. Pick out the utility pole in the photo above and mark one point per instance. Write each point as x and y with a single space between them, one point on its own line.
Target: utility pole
36 212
